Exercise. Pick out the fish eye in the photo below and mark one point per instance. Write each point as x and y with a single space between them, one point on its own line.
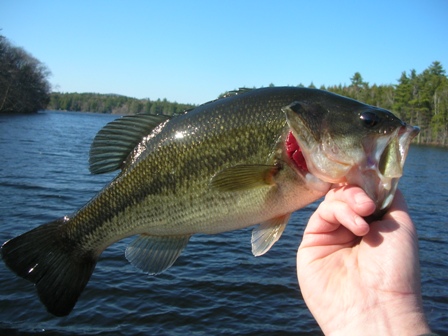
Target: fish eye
370 119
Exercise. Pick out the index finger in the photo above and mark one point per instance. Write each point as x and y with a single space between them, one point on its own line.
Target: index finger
344 206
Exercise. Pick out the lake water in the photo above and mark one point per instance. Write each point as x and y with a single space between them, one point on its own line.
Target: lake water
216 286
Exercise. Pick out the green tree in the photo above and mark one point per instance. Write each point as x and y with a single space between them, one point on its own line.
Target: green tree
403 94
358 87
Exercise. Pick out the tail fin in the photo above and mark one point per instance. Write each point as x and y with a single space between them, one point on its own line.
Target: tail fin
51 261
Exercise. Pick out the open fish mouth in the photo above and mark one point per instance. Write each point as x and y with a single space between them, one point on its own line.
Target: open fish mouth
375 165
383 167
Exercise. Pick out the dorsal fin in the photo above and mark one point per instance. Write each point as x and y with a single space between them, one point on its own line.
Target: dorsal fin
236 92
115 141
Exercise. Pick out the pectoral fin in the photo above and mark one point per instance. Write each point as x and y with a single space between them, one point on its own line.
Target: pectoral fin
267 233
154 254
243 177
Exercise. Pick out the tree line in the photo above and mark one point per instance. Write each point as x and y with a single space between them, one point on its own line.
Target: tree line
112 103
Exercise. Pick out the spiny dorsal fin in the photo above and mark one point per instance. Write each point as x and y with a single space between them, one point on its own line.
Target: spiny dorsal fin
224 95
239 91
243 177
267 233
154 254
115 141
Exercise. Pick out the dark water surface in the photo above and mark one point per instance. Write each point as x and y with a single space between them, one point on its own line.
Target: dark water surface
216 286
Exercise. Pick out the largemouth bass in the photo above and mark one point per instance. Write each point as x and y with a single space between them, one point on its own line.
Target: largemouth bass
250 158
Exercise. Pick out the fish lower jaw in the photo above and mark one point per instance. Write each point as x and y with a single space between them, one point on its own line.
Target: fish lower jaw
389 187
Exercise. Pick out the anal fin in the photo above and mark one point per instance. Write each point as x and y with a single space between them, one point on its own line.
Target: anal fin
267 233
154 254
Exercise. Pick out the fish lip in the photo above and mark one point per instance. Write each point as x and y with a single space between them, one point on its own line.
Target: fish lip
382 185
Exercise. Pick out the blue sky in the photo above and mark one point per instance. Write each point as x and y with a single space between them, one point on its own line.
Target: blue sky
191 51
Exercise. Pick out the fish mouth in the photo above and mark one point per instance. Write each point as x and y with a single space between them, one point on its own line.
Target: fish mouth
380 173
376 168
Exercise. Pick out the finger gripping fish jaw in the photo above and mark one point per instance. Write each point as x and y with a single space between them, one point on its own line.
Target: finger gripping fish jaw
380 173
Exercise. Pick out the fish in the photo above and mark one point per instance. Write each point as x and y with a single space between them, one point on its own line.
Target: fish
251 158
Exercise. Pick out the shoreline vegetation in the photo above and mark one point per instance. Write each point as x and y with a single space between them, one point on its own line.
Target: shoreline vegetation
113 104
418 99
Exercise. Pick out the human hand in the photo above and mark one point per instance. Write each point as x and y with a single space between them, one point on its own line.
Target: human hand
358 278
